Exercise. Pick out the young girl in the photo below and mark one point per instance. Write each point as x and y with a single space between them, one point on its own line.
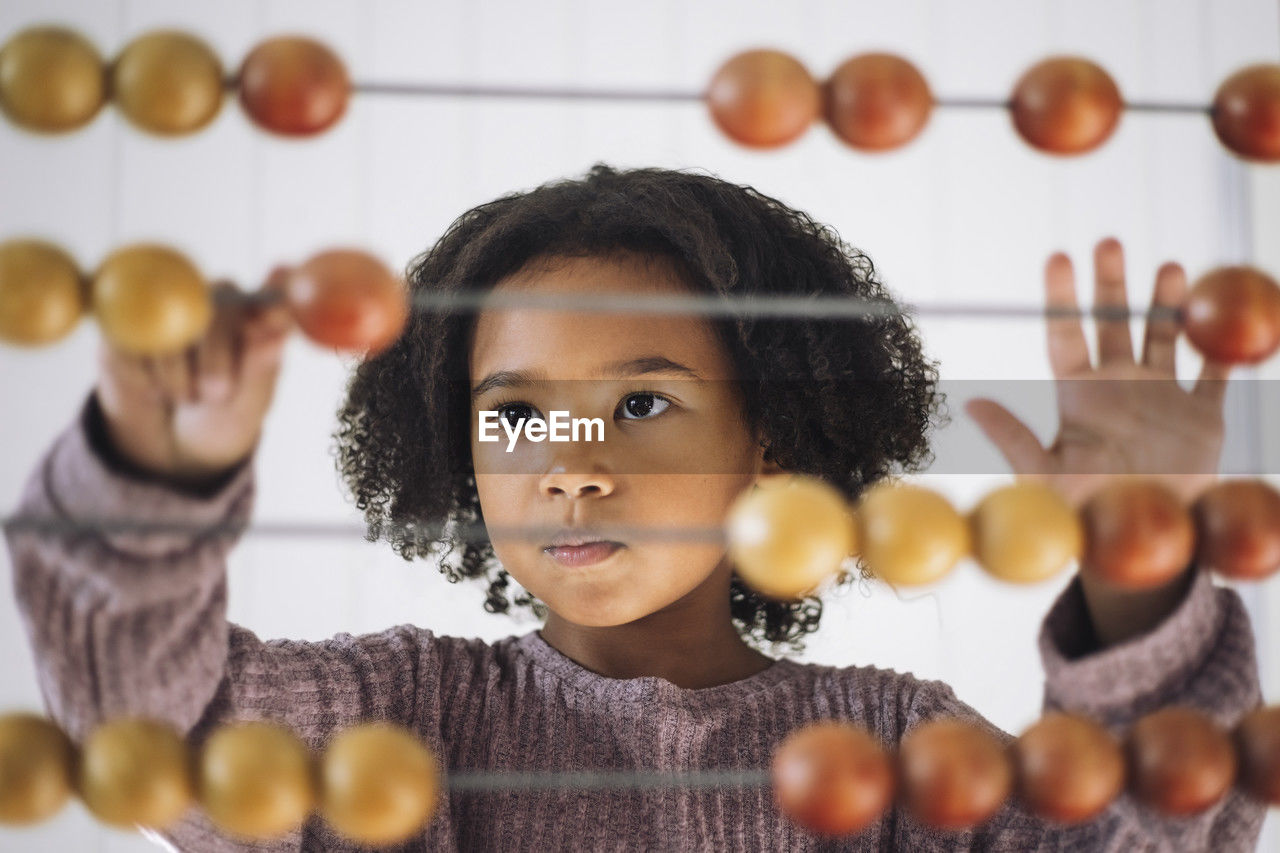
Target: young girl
647 659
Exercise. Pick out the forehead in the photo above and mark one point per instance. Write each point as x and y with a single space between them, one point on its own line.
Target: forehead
577 344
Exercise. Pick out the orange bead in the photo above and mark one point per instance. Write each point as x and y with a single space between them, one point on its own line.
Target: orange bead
1233 315
1238 529
1066 105
787 540
348 300
877 101
1138 535
953 774
1180 762
379 784
135 771
294 86
168 83
1069 769
763 98
51 80
908 534
1025 532
1246 113
1257 744
832 777
41 295
150 300
256 780
37 766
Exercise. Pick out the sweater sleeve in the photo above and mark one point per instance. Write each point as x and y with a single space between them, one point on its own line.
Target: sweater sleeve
1201 655
131 622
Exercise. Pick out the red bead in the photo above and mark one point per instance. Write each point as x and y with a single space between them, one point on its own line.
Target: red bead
832 777
1181 762
1066 105
294 86
347 300
1069 768
763 98
1246 113
1233 315
954 774
1238 529
1138 535
1257 743
877 101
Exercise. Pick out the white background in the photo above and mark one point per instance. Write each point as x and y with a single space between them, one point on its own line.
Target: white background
967 212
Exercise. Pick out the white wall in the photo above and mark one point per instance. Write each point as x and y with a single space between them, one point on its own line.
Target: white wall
967 212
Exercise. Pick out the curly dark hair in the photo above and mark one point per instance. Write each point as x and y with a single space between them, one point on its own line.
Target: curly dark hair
850 402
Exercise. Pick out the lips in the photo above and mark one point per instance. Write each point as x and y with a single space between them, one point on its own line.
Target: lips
585 554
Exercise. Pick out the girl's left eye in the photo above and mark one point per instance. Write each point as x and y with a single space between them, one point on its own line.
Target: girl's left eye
642 406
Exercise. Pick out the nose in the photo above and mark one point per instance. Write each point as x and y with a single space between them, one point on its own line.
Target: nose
576 485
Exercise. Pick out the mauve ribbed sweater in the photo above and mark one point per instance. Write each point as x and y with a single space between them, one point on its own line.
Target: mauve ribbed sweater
126 624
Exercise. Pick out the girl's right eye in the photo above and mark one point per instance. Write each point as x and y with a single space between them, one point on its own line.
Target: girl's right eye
513 413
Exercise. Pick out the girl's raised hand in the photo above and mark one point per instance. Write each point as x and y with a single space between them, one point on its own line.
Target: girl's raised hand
1138 420
193 415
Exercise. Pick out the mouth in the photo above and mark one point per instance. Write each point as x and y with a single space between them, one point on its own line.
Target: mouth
584 554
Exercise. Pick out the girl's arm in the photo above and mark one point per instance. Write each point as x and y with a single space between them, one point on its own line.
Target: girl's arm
1201 655
129 624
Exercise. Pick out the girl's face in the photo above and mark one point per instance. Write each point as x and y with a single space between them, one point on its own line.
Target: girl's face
676 451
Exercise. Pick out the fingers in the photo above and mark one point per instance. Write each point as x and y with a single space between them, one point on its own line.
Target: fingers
267 325
1012 437
1211 385
172 375
125 376
1159 345
1115 343
1068 351
217 355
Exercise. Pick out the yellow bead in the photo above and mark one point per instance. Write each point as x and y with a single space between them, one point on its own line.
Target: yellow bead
135 771
51 80
37 763
909 535
379 784
256 780
168 83
1025 532
785 540
41 295
150 300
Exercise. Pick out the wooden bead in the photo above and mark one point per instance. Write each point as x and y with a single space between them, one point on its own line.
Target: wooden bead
763 98
51 80
256 780
1246 113
1257 744
877 101
348 300
135 771
953 773
168 83
1180 762
1238 529
908 534
294 86
1138 534
1069 769
787 540
150 300
832 777
379 784
1066 105
37 766
41 295
1232 315
1025 532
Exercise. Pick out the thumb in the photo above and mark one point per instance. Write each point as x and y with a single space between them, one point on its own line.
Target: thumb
1012 437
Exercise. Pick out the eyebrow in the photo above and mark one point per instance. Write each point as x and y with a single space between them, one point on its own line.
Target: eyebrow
642 366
